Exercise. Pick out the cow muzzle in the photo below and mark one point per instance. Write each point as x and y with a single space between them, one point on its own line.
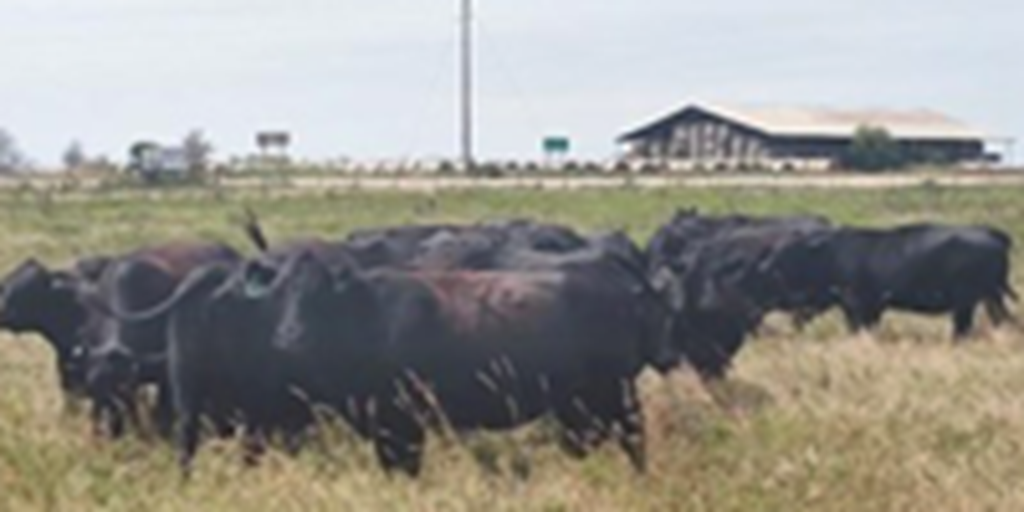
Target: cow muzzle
111 370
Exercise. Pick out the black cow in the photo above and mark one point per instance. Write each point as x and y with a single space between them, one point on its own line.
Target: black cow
716 274
121 356
610 257
688 230
392 246
924 268
517 244
719 300
540 236
620 244
36 299
221 362
400 245
393 351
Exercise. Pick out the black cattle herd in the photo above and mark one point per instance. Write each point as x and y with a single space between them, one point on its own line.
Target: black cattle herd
399 330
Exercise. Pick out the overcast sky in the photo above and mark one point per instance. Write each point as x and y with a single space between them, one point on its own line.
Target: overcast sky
378 79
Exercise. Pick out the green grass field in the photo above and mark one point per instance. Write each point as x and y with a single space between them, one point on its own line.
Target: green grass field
902 421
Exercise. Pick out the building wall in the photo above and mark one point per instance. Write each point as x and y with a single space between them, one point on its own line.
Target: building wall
701 139
697 140
944 152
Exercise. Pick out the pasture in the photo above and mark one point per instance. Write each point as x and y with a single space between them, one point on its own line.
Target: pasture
816 420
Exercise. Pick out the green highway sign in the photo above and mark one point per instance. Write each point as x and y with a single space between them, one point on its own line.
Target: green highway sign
557 145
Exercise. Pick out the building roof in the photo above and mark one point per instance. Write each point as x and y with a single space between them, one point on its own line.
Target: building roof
918 124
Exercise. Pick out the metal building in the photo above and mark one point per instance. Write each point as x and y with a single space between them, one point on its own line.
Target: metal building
715 137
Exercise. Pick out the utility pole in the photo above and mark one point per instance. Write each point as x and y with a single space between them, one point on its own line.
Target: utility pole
466 94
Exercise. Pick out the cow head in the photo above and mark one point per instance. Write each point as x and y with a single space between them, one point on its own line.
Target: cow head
36 299
802 270
102 359
309 294
91 269
734 290
116 351
663 298
31 295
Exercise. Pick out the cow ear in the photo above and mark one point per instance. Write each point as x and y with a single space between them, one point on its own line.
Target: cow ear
93 268
35 265
258 279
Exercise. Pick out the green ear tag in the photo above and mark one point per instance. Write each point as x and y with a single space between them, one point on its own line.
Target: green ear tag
255 290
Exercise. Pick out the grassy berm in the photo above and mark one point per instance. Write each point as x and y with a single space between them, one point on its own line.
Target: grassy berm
902 420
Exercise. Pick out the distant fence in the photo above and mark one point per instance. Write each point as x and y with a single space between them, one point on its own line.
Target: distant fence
342 183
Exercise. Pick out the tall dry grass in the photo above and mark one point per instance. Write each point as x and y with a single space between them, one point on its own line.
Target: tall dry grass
818 420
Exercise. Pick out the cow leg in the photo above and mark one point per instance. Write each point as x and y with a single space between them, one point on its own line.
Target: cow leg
963 322
187 440
294 441
803 317
401 453
873 317
607 408
580 431
863 319
71 388
108 416
572 432
862 314
259 422
296 417
627 415
187 408
997 311
399 439
254 443
854 325
852 314
712 355
163 411
97 416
